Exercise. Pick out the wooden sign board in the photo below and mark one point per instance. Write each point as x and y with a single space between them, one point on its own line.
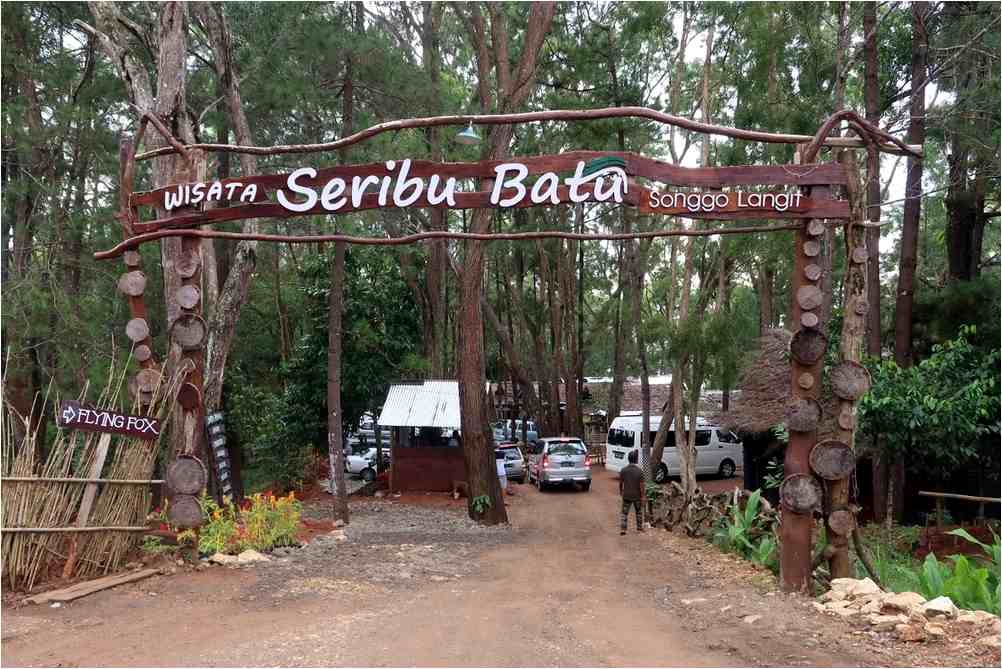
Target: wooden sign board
76 416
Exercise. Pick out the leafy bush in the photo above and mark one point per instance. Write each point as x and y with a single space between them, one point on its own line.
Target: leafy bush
745 532
261 523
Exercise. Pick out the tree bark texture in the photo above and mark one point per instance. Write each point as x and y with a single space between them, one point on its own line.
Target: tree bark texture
335 438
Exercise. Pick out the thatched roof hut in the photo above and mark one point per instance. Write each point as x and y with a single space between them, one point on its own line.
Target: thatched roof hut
766 391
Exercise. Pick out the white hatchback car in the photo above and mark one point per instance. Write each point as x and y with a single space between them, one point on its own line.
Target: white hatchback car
718 451
364 464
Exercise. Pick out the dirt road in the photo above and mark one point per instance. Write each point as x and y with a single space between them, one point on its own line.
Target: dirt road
562 588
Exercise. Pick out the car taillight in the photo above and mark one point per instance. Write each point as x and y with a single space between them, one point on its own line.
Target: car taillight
546 462
588 460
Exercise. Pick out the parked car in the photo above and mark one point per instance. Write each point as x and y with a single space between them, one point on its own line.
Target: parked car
364 464
502 431
514 462
560 460
718 451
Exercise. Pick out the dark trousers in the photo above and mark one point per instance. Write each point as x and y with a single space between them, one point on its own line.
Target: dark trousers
624 514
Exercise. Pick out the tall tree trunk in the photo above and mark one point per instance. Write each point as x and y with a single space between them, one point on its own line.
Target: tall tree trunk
335 419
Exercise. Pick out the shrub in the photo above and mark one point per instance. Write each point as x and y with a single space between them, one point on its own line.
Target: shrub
744 532
261 523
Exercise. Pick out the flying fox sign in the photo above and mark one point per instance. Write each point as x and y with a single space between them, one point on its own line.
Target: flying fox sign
75 416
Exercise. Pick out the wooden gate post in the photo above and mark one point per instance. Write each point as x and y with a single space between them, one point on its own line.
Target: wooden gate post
807 357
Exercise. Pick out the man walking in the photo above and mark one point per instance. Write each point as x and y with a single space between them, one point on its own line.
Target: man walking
631 488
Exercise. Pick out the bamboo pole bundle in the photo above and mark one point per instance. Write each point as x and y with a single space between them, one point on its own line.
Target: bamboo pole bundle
125 506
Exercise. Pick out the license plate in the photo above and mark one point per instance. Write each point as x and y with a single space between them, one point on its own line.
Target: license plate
619 455
566 464
509 465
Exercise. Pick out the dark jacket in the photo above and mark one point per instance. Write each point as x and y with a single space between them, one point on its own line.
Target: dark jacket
631 483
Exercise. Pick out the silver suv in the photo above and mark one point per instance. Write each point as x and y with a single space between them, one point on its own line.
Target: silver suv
514 463
557 460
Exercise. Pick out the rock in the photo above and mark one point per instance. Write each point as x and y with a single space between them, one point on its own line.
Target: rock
941 606
751 620
841 608
872 606
886 623
338 523
438 578
133 565
908 632
380 493
56 605
818 606
865 586
339 535
991 641
249 556
905 602
223 558
834 595
843 584
689 602
725 609
934 630
179 562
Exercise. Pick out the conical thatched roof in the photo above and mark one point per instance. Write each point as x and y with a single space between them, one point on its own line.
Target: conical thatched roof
766 390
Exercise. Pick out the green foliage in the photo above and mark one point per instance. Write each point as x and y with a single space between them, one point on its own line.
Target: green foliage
744 532
775 472
155 546
481 503
262 523
943 412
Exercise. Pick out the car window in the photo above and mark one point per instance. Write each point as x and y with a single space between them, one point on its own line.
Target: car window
567 448
727 437
511 453
620 437
703 437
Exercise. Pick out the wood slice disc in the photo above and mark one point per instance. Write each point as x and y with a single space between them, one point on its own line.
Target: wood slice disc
185 511
137 330
142 353
187 475
803 415
816 227
808 346
806 380
860 255
846 419
147 380
189 396
812 272
842 522
800 493
132 259
832 460
809 297
132 283
188 297
189 332
850 380
812 248
809 319
188 264
860 306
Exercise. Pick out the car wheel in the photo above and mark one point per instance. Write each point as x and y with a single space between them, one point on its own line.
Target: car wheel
541 485
368 474
661 475
726 469
586 486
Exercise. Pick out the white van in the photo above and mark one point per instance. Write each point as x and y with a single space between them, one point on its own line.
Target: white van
718 451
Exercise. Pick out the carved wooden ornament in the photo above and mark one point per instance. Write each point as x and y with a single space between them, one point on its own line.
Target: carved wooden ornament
808 346
800 493
147 380
142 353
809 319
809 297
812 272
806 380
137 330
803 415
187 475
832 460
846 419
812 248
189 332
850 380
816 227
842 522
132 283
188 297
188 264
132 259
185 511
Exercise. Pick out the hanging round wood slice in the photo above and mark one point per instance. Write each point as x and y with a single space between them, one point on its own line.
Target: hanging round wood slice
860 255
846 419
812 248
850 380
808 346
841 522
800 493
189 396
142 353
185 511
147 380
187 475
187 265
809 319
137 330
189 332
860 306
188 297
132 259
809 297
832 460
812 272
806 380
132 283
803 415
816 227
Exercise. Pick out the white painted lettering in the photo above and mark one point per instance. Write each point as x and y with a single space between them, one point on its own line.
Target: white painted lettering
545 188
358 186
404 181
521 171
311 195
331 198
